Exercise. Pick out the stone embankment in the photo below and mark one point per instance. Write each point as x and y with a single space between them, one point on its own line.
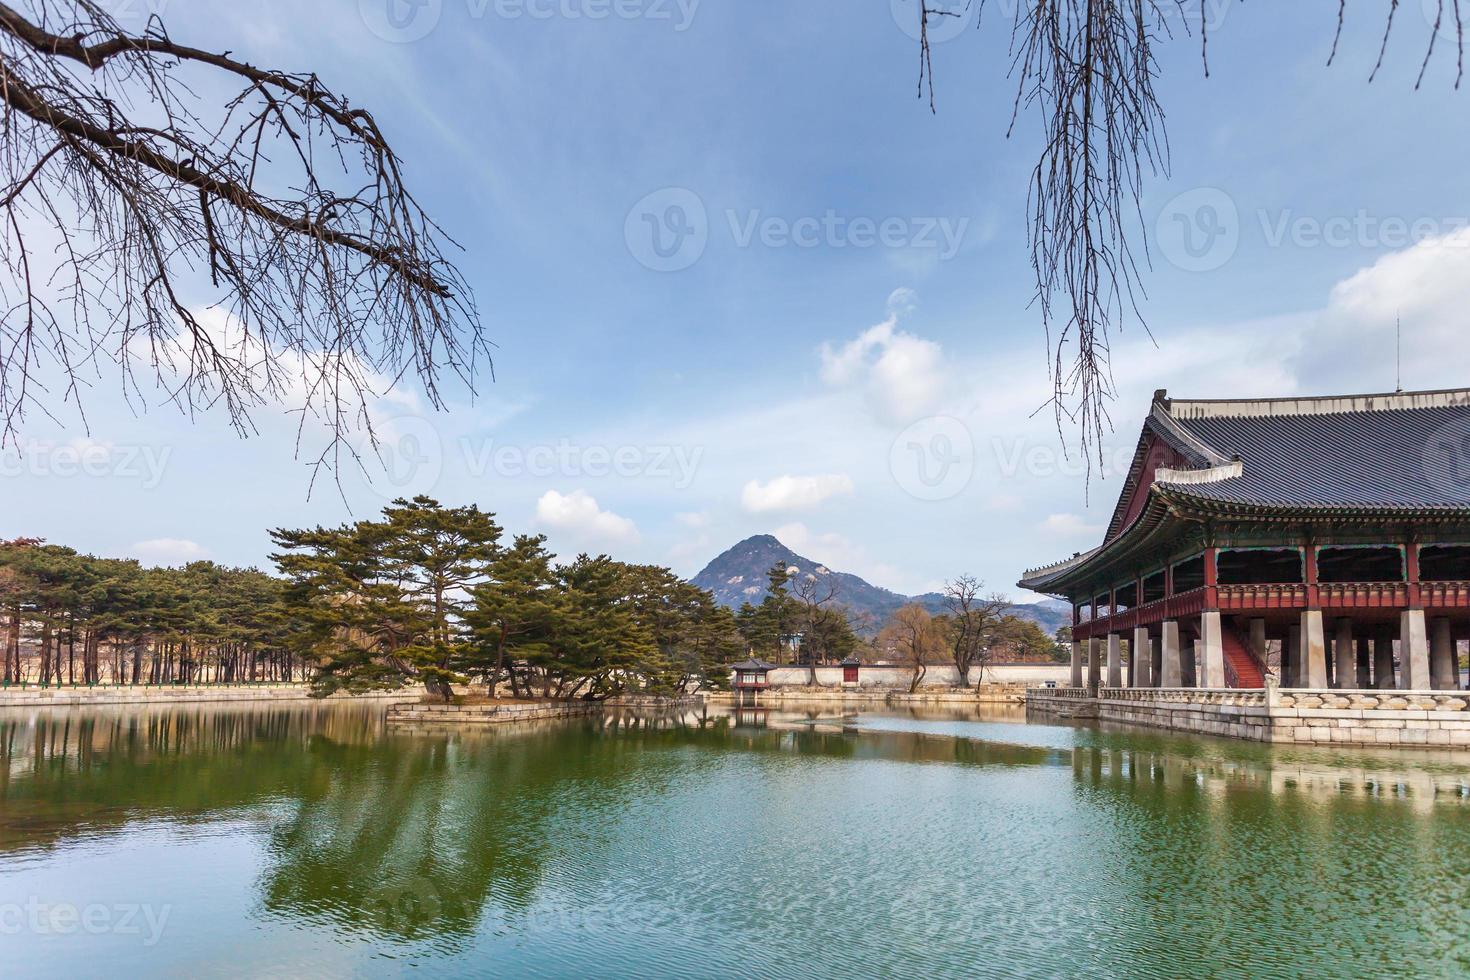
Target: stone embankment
426 714
1291 716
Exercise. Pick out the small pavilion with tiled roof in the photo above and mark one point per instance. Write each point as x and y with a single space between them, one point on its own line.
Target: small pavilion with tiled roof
748 678
1338 527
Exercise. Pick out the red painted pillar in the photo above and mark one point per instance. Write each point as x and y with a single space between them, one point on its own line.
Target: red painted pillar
1411 570
1314 600
1212 579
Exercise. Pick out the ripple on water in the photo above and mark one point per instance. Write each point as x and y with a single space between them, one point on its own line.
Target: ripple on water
811 845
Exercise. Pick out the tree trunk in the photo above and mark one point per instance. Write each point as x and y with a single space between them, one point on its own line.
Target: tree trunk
438 688
920 669
499 662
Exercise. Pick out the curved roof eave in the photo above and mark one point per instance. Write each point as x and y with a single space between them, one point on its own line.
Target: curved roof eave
1150 519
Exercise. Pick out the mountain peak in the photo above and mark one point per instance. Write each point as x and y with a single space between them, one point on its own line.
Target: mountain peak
738 575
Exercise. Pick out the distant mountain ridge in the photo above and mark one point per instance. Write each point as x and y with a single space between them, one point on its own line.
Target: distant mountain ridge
738 575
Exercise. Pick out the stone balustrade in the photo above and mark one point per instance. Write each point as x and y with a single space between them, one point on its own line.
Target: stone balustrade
1305 716
1059 692
1373 700
1185 695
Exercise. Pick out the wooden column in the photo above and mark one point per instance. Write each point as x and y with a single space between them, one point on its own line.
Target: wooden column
1309 573
1411 574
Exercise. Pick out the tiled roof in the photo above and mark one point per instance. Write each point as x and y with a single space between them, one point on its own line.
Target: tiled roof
753 665
1390 457
1405 451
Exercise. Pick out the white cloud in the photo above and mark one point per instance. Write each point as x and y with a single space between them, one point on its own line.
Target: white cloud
793 492
578 511
695 519
168 551
1350 344
902 375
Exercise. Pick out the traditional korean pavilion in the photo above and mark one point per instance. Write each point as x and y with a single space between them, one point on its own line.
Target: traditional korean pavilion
1338 526
749 678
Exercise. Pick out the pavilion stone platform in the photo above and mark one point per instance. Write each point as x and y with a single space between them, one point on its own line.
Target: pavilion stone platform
1301 716
1322 544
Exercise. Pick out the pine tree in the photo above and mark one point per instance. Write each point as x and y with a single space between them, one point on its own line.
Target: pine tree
515 615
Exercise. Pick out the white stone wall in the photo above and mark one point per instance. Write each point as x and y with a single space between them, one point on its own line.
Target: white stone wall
63 697
897 678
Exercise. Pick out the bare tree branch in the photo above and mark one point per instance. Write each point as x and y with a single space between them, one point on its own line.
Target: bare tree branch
1088 68
133 206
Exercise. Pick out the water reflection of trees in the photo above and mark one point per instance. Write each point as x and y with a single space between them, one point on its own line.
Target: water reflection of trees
62 772
435 838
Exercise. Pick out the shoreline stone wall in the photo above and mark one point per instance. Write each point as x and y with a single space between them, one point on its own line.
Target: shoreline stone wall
1291 716
419 713
425 714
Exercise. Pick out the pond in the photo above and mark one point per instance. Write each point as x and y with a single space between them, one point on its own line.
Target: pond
313 841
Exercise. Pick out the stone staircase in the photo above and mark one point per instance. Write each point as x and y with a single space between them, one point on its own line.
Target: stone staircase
1242 669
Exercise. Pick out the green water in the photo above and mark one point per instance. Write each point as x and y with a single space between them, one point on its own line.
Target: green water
310 841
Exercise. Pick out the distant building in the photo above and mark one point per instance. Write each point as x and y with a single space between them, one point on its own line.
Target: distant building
1338 527
749 678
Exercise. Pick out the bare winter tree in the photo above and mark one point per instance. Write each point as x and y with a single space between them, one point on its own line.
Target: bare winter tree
140 173
814 594
971 617
910 633
1088 68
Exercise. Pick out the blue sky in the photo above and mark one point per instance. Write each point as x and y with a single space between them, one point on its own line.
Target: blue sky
842 350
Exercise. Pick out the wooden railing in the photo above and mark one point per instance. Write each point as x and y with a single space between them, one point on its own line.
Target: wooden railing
1267 596
1442 595
1283 596
1190 603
